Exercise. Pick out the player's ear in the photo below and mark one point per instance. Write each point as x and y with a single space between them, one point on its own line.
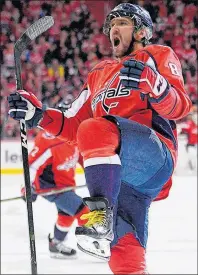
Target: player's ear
140 34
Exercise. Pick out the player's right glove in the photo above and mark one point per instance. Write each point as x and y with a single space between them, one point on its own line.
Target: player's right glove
25 105
139 76
23 194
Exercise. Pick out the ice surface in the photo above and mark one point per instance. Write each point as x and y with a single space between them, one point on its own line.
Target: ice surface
172 245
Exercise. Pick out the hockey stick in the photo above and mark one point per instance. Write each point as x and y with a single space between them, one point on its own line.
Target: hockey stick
40 26
52 192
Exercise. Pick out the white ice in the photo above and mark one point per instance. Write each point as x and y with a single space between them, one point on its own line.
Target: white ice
172 245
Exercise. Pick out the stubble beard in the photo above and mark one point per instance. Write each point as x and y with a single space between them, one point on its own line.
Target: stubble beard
118 55
121 52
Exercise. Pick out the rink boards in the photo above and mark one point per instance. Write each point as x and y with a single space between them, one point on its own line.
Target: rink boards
11 158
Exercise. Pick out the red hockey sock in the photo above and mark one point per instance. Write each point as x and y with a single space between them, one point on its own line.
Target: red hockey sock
85 210
64 220
128 256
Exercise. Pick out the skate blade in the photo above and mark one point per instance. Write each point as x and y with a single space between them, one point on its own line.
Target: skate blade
106 259
96 248
62 257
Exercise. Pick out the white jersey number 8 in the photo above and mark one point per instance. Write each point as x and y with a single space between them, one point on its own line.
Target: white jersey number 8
173 69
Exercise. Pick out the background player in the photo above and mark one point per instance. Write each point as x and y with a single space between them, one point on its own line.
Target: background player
190 129
52 167
123 121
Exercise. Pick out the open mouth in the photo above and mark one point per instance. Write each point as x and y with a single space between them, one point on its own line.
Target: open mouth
116 41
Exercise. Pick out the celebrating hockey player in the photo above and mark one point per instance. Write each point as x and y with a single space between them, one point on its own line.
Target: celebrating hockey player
52 167
124 123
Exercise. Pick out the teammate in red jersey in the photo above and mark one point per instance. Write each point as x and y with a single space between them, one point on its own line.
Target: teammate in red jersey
52 167
190 129
124 123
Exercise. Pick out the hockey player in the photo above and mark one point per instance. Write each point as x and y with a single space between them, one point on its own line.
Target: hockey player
190 129
52 167
124 123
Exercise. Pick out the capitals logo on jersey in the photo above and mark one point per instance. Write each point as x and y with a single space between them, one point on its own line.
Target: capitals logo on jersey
69 162
109 93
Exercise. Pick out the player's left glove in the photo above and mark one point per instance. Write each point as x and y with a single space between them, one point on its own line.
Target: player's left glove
25 105
138 76
33 194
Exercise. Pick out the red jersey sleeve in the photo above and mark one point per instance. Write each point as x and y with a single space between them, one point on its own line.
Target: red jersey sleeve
42 142
41 155
174 103
38 161
37 149
65 124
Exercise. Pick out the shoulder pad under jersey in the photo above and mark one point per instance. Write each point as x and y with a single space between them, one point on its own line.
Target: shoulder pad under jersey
157 49
101 65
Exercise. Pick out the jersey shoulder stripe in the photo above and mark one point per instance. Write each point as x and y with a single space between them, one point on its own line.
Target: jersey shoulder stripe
78 103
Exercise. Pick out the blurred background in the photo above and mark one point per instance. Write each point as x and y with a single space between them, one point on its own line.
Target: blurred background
54 68
56 64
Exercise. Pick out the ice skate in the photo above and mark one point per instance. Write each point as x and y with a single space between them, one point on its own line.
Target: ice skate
59 250
95 236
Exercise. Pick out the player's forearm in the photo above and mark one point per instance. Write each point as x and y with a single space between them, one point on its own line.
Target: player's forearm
52 121
56 123
172 104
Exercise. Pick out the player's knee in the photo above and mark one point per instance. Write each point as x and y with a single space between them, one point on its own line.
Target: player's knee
97 137
64 220
128 256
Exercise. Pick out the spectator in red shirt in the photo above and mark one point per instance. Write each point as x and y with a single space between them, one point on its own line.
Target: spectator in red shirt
35 56
189 54
177 38
190 11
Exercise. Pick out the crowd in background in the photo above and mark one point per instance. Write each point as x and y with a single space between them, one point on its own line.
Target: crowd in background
56 64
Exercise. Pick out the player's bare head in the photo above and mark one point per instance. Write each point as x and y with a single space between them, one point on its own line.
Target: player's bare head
133 24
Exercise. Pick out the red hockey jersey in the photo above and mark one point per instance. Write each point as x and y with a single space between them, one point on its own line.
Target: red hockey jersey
52 163
103 95
191 129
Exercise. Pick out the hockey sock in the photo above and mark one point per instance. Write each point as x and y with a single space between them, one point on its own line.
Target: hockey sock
98 140
103 180
59 235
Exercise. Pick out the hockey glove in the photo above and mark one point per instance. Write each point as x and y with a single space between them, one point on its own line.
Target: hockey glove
25 105
23 194
138 76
